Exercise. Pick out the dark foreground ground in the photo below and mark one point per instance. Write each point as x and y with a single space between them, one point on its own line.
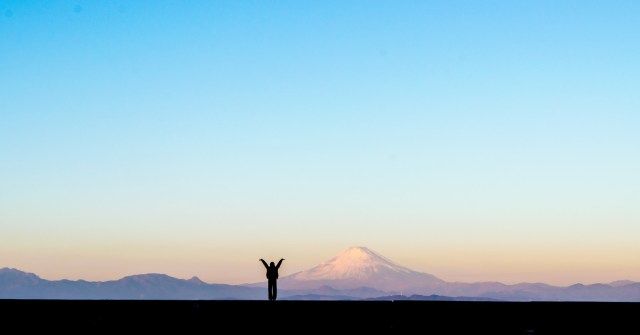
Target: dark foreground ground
303 317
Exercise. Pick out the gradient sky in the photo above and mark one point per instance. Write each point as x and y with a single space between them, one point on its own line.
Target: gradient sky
473 140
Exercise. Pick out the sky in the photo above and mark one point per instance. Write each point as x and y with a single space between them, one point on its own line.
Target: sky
475 141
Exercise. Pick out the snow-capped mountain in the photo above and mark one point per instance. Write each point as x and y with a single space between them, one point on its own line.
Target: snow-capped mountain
358 267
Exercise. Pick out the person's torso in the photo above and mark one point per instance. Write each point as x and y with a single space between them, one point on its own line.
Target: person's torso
272 273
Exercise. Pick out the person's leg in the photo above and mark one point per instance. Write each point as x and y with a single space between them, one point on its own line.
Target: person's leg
270 290
275 289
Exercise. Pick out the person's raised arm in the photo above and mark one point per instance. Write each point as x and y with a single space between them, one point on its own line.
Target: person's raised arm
280 262
264 263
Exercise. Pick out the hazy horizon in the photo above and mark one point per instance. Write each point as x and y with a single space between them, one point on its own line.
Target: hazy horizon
473 141
259 277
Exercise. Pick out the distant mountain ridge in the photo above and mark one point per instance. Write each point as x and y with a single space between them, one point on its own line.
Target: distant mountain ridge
15 284
356 273
433 297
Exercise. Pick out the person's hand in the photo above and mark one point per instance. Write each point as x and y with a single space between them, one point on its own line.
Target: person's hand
261 259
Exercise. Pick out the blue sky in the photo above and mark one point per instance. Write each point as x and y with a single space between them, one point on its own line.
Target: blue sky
473 140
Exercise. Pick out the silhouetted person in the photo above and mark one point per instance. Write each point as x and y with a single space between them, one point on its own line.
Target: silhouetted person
272 277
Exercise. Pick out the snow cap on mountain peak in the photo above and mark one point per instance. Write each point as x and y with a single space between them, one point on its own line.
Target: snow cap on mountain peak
358 252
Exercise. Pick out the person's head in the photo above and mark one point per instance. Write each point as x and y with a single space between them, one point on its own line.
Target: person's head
272 264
